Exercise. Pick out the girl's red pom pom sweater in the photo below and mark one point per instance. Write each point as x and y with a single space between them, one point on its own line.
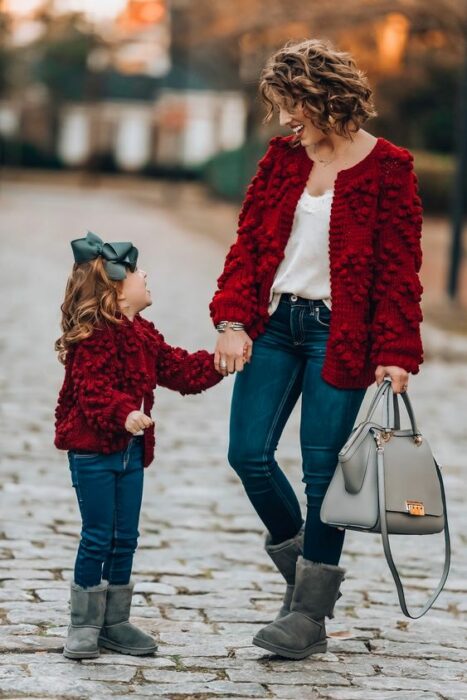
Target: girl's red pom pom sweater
374 256
114 372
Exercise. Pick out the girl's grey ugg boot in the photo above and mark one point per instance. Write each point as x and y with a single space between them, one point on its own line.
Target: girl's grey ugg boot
87 617
285 555
302 632
117 632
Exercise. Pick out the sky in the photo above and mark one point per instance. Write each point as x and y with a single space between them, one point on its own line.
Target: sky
96 9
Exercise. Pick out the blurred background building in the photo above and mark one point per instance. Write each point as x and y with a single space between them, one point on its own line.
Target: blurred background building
169 87
103 85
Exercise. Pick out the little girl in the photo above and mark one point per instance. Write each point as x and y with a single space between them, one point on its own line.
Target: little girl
113 361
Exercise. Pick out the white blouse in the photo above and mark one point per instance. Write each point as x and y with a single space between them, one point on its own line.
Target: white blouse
304 270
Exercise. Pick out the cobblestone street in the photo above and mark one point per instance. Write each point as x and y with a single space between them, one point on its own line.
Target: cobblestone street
204 583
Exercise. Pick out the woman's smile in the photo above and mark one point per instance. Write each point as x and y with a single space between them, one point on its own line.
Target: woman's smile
298 129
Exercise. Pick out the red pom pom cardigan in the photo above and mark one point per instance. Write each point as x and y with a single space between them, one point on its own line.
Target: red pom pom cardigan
374 256
110 373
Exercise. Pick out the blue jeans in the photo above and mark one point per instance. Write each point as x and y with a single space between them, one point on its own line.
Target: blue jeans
286 363
109 489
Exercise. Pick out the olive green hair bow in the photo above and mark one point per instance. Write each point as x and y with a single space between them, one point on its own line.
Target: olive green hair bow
117 256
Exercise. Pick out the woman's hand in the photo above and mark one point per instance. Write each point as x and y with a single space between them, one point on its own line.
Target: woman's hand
399 377
233 350
136 421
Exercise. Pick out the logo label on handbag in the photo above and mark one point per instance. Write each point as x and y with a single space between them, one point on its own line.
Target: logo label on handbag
415 507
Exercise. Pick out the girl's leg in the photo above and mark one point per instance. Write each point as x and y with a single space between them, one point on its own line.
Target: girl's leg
128 497
263 398
328 415
118 633
94 478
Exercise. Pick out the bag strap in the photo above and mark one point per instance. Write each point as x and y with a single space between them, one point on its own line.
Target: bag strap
384 387
410 411
396 413
376 397
387 547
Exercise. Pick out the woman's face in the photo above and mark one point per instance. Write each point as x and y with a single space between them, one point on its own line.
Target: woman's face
135 293
301 125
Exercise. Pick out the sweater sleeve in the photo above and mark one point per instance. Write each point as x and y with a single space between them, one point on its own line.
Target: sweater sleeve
395 326
104 407
187 373
235 298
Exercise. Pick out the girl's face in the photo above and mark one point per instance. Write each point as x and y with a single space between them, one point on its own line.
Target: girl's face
301 125
134 296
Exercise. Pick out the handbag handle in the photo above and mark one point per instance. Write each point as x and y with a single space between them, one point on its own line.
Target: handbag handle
376 397
395 408
387 547
387 386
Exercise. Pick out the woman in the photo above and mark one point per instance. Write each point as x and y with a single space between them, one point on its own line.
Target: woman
323 278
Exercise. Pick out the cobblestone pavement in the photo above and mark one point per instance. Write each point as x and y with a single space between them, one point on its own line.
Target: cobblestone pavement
204 583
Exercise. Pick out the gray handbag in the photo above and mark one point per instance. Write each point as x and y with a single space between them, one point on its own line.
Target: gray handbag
388 481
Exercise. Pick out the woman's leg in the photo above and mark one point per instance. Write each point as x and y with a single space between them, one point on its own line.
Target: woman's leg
128 497
328 415
263 398
93 477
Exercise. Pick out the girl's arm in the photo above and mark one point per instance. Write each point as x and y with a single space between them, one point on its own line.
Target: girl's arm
395 327
104 407
188 373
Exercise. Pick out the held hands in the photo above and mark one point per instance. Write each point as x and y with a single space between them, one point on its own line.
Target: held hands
233 350
399 377
136 421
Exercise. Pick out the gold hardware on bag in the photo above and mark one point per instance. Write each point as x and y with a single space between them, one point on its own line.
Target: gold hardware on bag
382 436
417 439
415 507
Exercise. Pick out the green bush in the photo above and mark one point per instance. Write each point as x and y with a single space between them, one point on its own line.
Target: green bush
229 172
436 178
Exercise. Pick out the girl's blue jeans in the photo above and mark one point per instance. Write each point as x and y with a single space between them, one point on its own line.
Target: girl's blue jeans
286 364
109 489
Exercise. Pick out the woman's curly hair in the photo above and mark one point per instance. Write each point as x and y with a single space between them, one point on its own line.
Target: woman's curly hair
91 298
326 82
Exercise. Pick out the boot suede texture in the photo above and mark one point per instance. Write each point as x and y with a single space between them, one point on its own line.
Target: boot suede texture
303 632
117 632
285 555
87 617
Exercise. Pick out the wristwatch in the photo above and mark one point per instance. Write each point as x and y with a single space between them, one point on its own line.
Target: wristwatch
234 325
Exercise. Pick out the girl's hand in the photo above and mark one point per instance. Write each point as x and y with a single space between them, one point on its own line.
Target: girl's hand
136 421
399 377
234 349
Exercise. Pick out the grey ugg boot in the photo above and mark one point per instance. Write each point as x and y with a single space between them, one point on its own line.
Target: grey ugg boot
118 633
302 632
87 617
284 556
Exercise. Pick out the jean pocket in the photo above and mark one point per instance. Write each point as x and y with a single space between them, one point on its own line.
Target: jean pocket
323 316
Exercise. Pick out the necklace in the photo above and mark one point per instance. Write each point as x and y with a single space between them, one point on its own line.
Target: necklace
325 162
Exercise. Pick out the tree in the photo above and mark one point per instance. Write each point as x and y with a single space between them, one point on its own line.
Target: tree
60 58
5 52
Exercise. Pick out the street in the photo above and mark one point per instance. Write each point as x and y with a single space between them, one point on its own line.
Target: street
204 583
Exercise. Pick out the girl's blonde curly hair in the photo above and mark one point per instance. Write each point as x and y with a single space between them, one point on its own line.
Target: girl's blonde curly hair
91 299
326 82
